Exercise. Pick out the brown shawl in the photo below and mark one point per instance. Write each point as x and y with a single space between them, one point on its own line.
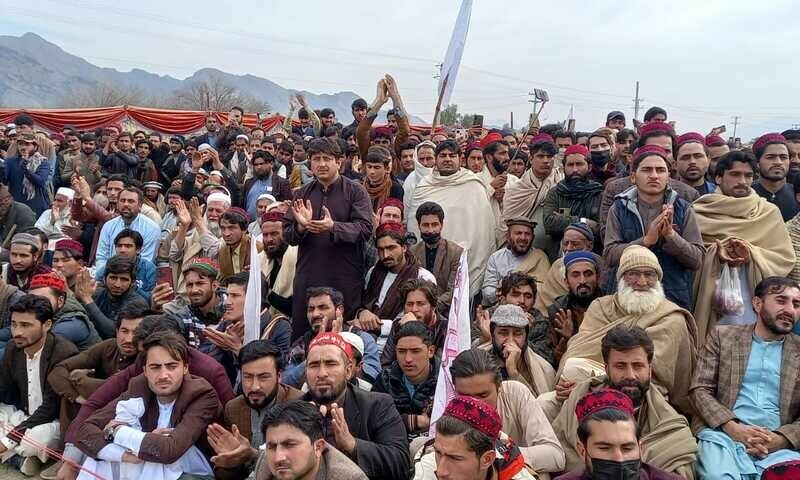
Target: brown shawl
226 257
392 304
674 335
666 439
752 219
380 193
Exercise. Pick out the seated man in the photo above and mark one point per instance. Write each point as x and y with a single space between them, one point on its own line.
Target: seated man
476 374
58 215
69 318
128 244
640 302
161 418
24 261
744 388
396 265
205 306
608 441
365 426
666 440
199 364
509 329
515 289
68 260
278 264
29 359
296 447
102 303
411 378
549 337
470 446
438 255
577 237
419 303
76 378
261 364
518 255
224 340
234 247
325 313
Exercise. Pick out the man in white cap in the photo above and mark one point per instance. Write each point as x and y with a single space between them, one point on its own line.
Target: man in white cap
154 198
262 203
58 215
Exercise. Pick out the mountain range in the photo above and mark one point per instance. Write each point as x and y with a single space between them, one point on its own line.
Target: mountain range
35 73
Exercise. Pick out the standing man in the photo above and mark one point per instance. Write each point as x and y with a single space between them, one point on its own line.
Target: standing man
615 120
28 173
28 360
264 181
671 232
129 206
691 162
330 219
745 390
438 255
772 153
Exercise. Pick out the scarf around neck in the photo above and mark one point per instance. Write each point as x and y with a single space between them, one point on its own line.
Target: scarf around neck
392 303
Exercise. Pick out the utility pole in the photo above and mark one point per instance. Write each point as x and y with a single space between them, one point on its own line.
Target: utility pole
636 102
535 101
735 124
512 120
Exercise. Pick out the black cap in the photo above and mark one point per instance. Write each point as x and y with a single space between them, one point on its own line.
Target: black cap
615 114
359 103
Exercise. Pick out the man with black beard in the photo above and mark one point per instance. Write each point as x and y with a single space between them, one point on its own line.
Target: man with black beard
83 162
667 441
574 199
772 152
236 442
549 337
279 262
264 181
365 426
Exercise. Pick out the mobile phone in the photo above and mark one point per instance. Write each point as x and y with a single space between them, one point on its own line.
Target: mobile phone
477 121
164 275
721 129
564 211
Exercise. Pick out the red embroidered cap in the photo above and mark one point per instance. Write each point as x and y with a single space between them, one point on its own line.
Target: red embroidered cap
331 338
606 398
476 413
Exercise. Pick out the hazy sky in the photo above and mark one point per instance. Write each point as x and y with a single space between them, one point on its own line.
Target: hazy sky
703 61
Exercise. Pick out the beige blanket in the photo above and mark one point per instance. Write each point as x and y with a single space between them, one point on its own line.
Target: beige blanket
468 212
667 441
535 264
752 219
671 328
540 377
285 280
553 285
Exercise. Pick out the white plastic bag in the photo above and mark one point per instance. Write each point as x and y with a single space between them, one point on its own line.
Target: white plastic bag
728 295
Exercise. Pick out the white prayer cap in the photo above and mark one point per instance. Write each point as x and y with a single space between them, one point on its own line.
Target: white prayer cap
215 172
219 197
67 192
267 196
243 137
204 146
202 172
354 340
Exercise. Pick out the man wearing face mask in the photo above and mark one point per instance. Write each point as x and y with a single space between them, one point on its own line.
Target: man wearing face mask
438 255
608 440
601 148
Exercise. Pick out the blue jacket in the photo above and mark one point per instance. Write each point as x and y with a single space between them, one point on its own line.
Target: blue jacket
677 281
16 173
145 277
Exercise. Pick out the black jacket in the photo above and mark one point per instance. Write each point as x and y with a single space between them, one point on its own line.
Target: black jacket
381 445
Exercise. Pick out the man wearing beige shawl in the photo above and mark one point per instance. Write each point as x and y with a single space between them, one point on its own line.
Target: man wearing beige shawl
639 302
577 236
743 230
278 264
667 440
524 198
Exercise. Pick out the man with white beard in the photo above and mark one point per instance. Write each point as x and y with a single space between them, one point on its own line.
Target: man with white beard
639 302
216 204
58 215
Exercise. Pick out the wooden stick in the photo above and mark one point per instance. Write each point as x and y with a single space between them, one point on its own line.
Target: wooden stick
439 104
10 234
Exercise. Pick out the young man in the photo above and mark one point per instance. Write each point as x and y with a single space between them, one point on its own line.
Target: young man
28 173
25 261
365 426
68 260
438 255
666 440
550 336
772 153
608 440
264 181
518 255
205 306
654 216
397 265
76 378
691 162
234 248
104 302
129 206
116 157
172 399
744 392
379 181
740 229
296 448
469 445
70 319
411 378
128 244
509 328
329 236
28 360
261 364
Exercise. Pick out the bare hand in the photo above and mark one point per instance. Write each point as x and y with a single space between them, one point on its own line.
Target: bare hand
380 93
231 447
184 217
739 251
224 340
368 321
77 375
162 293
562 323
484 320
322 226
85 286
128 457
303 212
666 224
408 317
67 472
391 87
563 388
344 439
196 211
653 231
512 354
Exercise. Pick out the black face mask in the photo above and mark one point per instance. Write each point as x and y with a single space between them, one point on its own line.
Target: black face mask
613 470
430 238
601 158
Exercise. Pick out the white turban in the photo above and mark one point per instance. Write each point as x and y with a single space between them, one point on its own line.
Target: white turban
219 197
67 192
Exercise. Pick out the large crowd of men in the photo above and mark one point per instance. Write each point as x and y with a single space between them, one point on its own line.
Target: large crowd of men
634 300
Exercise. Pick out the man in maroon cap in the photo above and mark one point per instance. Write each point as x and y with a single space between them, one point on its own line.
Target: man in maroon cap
691 162
68 260
772 154
717 147
608 440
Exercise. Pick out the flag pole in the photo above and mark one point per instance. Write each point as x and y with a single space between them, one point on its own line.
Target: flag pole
439 105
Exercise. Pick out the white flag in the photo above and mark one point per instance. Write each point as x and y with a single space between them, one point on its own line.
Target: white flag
252 300
456 341
452 59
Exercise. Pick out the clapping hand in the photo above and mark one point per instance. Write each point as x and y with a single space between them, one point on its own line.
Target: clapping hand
345 441
322 226
562 323
303 212
85 286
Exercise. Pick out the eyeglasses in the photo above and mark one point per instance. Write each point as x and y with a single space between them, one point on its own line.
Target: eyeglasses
649 275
